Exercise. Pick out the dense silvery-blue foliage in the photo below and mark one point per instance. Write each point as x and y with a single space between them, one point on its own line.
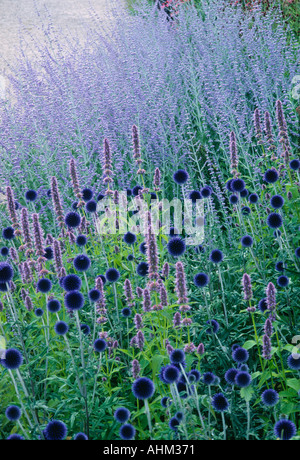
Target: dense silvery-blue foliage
183 84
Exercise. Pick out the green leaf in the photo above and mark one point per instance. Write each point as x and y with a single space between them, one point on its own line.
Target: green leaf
249 344
294 383
246 393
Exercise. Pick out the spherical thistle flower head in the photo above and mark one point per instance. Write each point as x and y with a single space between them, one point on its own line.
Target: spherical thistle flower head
8 233
82 263
128 192
295 164
130 257
233 199
208 378
270 397
230 375
74 205
143 248
100 345
196 374
94 295
247 241
39 312
104 280
31 195
122 415
126 312
174 423
61 328
245 210
240 355
165 402
171 374
180 177
4 251
216 256
80 437
74 300
195 195
274 220
143 388
244 193
214 326
6 272
220 402
136 189
237 185
142 269
13 413
81 240
91 206
87 194
243 367
228 185
176 247
100 196
201 280
280 266
53 306
277 201
293 362
72 219
85 329
15 437
285 429
129 238
297 252
262 305
13 359
243 379
177 356
71 283
271 176
283 281
127 432
206 191
44 285
253 198
112 275
55 431
49 254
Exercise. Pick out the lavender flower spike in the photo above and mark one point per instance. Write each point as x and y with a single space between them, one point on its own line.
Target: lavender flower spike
234 160
247 286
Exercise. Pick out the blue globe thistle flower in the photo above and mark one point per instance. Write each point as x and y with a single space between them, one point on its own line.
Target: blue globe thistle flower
53 306
171 374
13 413
297 252
81 240
112 275
39 312
129 238
91 206
176 246
233 199
6 272
74 300
253 198
245 210
100 345
49 254
214 326
295 164
228 185
142 269
237 185
61 328
143 248
103 278
270 397
208 378
230 375
130 257
49 193
280 266
153 196
127 432
8 233
177 356
44 285
174 423
271 176
15 437
243 367
136 189
285 429
293 362
244 193
274 220
74 205
206 191
216 256
161 374
143 388
166 402
100 196
85 329
4 251
55 431
13 359
122 415
262 305
180 177
240 355
201 280
247 241
283 281
94 295
72 219
87 194
82 263
126 312
277 201
220 402
243 379
71 283
196 374
17 205
31 195
128 192
80 437
195 195
179 415
235 346
182 389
